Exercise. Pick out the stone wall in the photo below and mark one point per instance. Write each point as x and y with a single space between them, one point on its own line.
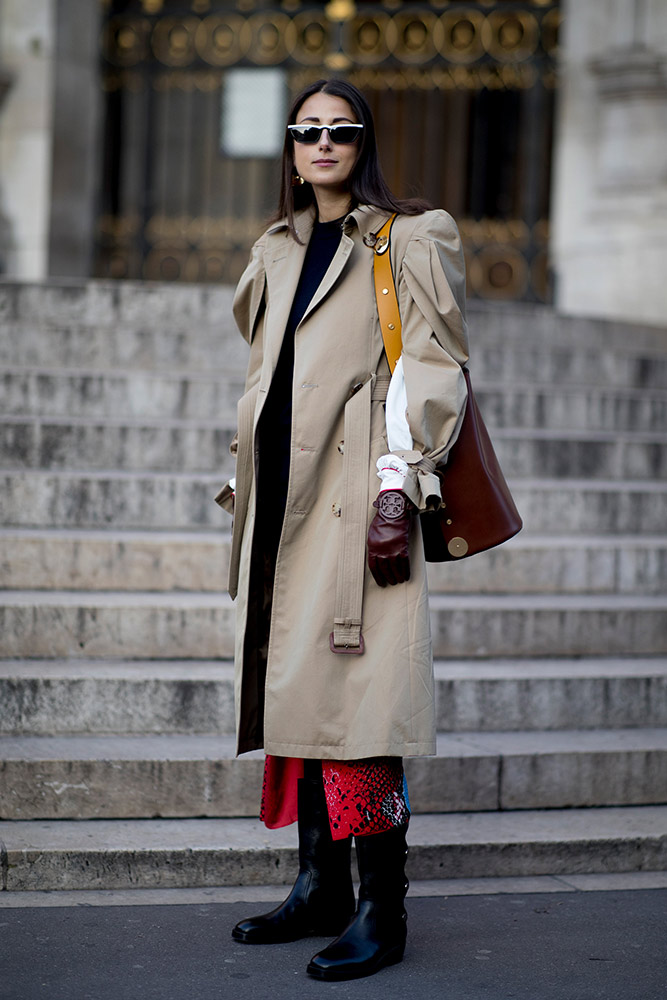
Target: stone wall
610 197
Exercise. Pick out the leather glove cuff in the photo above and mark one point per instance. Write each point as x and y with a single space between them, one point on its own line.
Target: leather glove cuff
393 504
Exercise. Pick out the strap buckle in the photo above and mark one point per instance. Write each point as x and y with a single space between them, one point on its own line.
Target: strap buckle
347 650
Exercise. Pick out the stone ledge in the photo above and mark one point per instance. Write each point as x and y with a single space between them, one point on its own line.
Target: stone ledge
196 853
97 777
70 697
201 625
67 559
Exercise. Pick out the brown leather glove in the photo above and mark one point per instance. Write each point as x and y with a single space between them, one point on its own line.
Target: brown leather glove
388 538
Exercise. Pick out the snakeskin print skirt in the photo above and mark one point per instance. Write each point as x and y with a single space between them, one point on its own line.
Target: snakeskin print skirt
362 796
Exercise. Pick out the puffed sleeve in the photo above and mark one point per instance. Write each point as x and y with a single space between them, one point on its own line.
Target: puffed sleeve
431 294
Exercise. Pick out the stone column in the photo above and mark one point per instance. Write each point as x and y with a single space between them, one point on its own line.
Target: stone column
609 213
77 126
27 31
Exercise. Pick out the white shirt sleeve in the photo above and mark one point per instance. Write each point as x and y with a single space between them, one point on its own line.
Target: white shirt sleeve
399 437
392 470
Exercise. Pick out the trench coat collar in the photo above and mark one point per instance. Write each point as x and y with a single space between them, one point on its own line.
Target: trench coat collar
366 219
284 259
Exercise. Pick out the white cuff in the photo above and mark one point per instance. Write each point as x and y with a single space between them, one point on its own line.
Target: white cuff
232 484
392 472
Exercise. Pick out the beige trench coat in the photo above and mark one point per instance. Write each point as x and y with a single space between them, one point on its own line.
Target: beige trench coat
319 703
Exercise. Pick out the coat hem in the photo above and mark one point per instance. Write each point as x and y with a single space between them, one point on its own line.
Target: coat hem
356 752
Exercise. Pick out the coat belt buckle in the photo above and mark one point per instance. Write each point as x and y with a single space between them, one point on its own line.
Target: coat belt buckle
347 650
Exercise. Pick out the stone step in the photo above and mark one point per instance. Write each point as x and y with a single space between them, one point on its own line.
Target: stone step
149 325
120 777
199 446
101 302
188 446
146 854
177 501
583 506
135 777
599 455
219 348
568 366
149 346
114 498
66 559
65 697
95 395
530 324
621 564
114 304
549 694
105 325
54 624
539 625
561 407
112 624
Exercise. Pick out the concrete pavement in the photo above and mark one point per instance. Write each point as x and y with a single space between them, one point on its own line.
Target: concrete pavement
560 943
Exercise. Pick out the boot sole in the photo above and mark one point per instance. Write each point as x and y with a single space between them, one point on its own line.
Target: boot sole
334 974
248 939
330 931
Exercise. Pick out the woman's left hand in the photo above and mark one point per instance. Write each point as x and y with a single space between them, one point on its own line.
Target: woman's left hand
389 538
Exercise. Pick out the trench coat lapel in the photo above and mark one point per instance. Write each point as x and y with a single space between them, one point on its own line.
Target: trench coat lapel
334 270
283 261
367 220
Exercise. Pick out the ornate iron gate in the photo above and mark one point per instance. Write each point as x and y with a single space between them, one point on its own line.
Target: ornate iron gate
463 96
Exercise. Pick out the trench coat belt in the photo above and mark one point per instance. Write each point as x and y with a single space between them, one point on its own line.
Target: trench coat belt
244 465
346 636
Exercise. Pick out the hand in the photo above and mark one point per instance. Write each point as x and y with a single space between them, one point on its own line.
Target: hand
388 538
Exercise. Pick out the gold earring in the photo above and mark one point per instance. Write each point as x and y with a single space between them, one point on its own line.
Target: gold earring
296 181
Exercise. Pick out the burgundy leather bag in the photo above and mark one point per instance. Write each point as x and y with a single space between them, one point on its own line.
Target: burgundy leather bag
478 511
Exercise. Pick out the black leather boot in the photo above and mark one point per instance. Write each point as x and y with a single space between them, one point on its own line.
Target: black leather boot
376 935
322 898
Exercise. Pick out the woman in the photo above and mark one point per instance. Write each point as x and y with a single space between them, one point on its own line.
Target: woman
323 568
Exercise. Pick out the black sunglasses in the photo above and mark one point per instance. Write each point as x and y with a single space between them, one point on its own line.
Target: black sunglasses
344 134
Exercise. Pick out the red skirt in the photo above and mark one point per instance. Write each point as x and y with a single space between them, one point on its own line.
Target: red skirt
362 796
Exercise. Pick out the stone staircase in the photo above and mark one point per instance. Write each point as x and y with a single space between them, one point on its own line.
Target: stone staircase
116 704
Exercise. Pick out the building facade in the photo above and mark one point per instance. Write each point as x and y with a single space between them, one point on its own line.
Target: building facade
140 138
609 210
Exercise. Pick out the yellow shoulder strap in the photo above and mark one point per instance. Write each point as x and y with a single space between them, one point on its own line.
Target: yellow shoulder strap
385 293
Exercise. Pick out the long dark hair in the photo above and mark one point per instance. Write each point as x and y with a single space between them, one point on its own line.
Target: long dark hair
366 183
